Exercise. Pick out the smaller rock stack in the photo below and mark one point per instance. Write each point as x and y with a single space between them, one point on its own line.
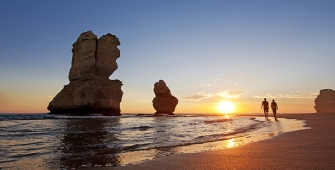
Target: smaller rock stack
164 102
325 102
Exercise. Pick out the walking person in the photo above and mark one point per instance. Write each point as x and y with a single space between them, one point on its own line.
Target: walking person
265 106
274 108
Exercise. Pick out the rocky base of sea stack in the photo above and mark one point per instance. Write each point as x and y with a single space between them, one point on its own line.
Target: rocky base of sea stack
88 95
159 113
165 105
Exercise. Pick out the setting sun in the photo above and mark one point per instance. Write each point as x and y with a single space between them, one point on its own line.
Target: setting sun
226 107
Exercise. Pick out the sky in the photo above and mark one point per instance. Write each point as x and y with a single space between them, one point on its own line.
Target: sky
207 52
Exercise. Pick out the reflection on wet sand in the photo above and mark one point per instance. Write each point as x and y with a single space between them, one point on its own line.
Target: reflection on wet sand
272 128
231 143
85 143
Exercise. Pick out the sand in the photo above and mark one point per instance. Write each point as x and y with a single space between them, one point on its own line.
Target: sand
312 148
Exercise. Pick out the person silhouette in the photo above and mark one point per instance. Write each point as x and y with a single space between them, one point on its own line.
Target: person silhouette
265 106
274 108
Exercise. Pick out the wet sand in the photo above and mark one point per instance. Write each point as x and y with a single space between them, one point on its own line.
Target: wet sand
312 148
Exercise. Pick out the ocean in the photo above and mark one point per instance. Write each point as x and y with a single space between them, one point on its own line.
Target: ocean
44 141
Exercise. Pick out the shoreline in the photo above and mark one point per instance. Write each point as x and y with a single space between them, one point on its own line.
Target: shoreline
269 129
312 148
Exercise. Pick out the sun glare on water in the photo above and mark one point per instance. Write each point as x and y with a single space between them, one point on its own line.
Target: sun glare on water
226 107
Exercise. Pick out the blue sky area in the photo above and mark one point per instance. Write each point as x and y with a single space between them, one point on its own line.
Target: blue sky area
206 51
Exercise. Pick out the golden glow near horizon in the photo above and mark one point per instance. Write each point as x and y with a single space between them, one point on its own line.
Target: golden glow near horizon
226 107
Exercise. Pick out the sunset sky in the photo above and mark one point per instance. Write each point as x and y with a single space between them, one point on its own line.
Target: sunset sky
206 51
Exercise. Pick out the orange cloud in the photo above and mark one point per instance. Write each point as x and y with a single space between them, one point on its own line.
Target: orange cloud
296 95
232 93
198 96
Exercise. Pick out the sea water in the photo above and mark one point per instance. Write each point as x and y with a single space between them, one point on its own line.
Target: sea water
44 141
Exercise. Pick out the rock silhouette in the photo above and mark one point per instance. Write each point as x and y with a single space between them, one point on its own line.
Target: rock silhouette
325 102
164 102
90 91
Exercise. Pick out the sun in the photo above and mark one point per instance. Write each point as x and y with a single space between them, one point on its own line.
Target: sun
226 107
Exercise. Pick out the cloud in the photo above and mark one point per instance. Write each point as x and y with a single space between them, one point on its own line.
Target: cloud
231 82
45 97
198 96
205 84
232 93
296 95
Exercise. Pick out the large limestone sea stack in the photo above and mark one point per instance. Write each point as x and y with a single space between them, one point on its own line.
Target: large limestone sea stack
164 102
325 102
90 91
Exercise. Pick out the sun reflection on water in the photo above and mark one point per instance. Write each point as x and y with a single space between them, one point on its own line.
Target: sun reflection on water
231 143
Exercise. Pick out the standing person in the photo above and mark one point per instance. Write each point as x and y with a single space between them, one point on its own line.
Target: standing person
265 106
274 108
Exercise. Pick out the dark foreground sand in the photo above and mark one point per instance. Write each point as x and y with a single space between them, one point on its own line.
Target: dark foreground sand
305 149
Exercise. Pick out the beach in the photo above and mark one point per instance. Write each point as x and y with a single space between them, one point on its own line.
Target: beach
312 148
45 141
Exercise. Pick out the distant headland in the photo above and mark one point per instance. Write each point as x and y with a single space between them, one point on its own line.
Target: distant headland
325 102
